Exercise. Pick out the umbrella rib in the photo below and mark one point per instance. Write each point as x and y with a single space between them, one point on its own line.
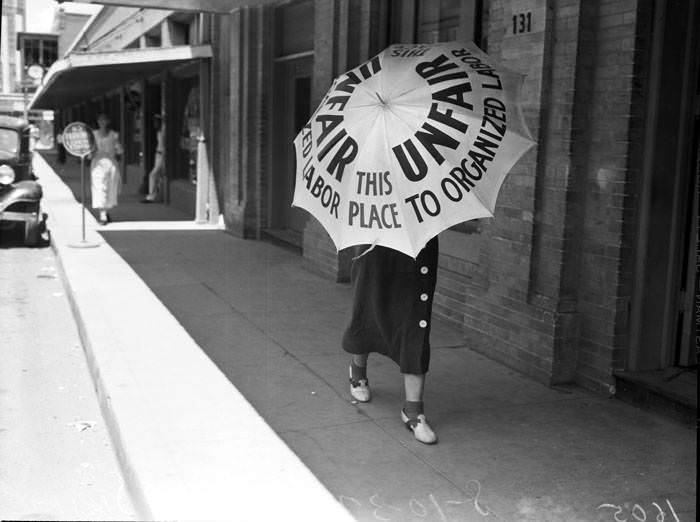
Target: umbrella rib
411 89
398 117
374 94
373 104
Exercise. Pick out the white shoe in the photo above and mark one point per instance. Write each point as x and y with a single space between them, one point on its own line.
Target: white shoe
420 428
359 389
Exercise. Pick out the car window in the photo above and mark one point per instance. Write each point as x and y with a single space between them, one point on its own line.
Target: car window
9 143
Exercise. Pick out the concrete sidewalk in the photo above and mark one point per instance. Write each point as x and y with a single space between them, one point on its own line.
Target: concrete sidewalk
130 208
190 446
510 448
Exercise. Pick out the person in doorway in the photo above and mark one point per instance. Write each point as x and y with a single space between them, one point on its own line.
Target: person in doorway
156 174
104 169
391 309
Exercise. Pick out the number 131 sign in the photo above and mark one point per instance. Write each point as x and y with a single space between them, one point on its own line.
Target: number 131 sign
524 17
522 23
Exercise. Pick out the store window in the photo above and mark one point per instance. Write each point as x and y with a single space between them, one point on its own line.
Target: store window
38 51
153 38
50 52
31 51
190 133
437 20
183 28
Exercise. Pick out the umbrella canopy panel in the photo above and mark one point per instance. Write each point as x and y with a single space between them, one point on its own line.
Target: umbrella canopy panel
82 76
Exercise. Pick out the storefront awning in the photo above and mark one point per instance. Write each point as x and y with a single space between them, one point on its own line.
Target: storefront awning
81 76
209 6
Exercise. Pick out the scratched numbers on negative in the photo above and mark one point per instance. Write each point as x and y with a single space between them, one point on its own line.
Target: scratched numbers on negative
653 513
423 508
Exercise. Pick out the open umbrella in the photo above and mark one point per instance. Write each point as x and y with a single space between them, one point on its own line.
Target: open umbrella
412 142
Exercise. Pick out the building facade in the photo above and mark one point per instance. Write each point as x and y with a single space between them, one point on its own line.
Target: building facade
118 41
588 269
567 283
67 25
12 22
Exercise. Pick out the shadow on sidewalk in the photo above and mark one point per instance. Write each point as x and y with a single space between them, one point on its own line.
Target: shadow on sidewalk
130 207
510 448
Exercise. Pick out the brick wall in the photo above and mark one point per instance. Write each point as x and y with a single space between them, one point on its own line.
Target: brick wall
546 284
226 116
608 188
320 255
8 68
242 71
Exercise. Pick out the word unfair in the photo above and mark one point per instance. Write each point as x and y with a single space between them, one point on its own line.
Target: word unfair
461 179
345 145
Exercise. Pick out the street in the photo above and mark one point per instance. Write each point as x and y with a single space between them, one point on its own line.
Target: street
57 460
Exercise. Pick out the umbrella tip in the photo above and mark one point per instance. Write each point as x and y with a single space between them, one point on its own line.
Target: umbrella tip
380 99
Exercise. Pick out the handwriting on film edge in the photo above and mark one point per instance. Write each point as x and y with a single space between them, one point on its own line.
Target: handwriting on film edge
382 511
639 514
419 509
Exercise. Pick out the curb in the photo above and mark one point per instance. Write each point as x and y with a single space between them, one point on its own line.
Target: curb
190 446
131 481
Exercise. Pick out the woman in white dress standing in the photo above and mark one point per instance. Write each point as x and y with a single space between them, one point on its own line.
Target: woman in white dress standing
104 169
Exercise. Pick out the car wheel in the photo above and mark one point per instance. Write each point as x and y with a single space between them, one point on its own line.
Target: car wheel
32 232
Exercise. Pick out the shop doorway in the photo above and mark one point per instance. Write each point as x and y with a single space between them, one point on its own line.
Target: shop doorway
663 324
182 131
292 102
152 105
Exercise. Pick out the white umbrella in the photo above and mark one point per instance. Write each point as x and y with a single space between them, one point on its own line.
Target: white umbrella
412 142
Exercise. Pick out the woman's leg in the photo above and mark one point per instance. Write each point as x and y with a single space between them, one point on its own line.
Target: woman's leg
360 360
412 413
359 385
153 178
413 385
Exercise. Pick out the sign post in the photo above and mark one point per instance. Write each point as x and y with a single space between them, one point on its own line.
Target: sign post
79 141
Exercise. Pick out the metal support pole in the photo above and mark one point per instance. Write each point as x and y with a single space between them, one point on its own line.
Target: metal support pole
82 193
83 243
202 191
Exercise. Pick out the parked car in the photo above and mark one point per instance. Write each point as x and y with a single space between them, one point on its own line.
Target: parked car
20 194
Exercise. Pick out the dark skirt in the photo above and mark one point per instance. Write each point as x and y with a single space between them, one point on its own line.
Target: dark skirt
392 304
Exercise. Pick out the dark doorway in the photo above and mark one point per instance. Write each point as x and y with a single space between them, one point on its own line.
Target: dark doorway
662 328
152 105
182 130
292 102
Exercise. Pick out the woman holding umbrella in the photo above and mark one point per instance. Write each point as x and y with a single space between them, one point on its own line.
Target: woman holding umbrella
391 309
406 145
104 169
